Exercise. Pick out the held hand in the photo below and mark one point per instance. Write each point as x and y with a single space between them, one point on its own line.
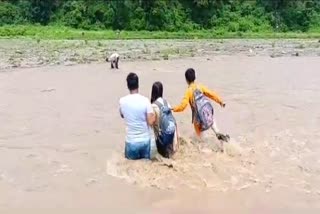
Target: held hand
223 105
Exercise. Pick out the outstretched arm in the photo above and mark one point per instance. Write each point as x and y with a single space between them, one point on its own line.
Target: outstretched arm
184 103
212 95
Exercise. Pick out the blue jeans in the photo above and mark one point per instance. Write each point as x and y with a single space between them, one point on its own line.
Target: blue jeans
137 150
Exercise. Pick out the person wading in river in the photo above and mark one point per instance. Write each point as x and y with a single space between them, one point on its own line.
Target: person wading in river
165 127
202 110
139 117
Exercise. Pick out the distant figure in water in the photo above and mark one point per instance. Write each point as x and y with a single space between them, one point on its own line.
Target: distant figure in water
138 114
202 110
114 60
165 127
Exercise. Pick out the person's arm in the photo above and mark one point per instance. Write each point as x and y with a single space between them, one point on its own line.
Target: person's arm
184 103
151 118
155 125
121 115
156 112
212 95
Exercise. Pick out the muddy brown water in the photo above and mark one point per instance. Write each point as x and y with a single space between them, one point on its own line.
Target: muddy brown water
61 140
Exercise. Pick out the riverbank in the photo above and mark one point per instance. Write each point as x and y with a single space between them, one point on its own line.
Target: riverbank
35 52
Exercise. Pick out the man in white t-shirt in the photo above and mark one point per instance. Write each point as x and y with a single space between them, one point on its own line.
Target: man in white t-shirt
139 116
114 60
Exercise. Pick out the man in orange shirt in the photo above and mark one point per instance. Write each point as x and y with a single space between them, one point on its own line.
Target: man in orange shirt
189 99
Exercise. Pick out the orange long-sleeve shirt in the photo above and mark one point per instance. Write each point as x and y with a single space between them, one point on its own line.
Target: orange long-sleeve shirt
188 96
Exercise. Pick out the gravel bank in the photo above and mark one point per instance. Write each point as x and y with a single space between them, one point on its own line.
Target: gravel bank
34 53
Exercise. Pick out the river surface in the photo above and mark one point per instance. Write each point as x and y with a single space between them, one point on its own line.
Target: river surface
62 139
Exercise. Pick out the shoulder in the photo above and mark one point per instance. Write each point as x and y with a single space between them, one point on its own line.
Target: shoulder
124 100
143 98
143 101
114 55
154 106
163 101
199 86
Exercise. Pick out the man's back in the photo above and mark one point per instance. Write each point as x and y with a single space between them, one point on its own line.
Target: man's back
113 57
188 97
134 108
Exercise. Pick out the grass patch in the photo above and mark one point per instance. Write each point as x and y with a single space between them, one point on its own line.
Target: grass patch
62 33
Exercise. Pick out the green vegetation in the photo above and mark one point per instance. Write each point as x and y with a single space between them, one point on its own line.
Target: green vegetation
159 19
54 32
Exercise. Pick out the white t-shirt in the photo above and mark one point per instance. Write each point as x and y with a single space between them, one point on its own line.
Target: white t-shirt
134 109
113 57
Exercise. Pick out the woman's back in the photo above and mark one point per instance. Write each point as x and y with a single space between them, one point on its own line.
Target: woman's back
166 145
156 109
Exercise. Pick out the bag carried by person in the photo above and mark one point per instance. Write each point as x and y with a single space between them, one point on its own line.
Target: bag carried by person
203 110
167 128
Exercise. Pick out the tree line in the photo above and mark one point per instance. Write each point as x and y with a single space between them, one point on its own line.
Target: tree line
166 15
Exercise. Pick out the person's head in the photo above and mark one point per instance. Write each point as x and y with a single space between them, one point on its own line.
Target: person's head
157 91
190 75
132 81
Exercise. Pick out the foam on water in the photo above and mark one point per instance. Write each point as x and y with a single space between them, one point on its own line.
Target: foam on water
270 164
196 165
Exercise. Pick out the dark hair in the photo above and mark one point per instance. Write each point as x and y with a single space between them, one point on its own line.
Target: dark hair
157 91
132 81
190 75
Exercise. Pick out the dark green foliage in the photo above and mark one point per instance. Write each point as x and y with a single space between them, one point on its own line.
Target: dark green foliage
9 13
238 16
